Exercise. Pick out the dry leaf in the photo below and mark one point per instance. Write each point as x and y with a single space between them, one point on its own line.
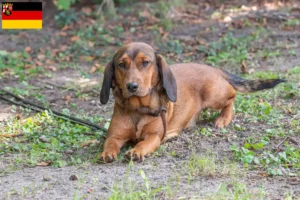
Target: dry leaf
38 63
65 28
28 49
263 174
43 164
49 62
91 44
62 33
244 67
63 48
227 19
67 98
27 66
87 143
53 68
75 38
41 56
287 28
93 69
86 10
86 58
23 35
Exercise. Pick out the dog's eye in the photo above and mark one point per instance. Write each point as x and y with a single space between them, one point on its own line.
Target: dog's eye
122 65
145 63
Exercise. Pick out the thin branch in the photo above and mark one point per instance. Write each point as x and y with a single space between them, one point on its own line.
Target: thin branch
38 108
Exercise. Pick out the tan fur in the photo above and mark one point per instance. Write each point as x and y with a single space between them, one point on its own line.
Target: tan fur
198 87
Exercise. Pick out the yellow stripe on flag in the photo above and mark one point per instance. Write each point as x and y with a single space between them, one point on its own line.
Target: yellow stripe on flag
22 24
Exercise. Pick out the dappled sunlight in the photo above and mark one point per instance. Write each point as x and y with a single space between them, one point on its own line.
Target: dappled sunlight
61 68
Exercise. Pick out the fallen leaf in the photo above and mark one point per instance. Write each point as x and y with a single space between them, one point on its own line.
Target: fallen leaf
63 48
53 68
23 35
93 69
86 58
244 67
287 28
43 164
62 33
86 10
18 116
41 56
49 62
28 49
65 28
38 63
75 38
250 71
67 98
263 174
27 66
87 143
227 19
91 44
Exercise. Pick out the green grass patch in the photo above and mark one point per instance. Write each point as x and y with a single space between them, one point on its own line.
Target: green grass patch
49 139
209 165
237 190
133 190
18 64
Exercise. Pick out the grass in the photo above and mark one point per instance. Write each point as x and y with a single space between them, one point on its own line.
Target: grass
209 165
49 140
237 191
133 190
259 137
229 49
260 149
18 64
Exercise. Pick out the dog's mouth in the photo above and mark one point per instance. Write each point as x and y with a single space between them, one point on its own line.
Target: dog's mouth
139 93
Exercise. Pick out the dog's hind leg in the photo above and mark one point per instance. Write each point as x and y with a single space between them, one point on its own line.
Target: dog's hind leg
226 115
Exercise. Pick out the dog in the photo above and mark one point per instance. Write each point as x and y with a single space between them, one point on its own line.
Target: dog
154 101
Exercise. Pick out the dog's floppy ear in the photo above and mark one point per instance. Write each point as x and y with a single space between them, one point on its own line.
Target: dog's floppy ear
167 77
107 82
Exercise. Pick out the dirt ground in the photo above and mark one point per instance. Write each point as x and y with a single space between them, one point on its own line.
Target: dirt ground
163 169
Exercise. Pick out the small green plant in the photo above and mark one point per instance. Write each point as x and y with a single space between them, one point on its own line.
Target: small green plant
129 189
64 4
66 17
48 139
208 165
16 63
237 190
272 161
229 49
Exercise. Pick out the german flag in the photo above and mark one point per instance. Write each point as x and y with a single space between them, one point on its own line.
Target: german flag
22 15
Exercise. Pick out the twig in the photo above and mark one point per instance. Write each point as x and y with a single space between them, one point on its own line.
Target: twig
11 135
281 142
38 108
101 6
71 88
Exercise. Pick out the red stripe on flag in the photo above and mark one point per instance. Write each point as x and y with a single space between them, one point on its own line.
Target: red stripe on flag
26 15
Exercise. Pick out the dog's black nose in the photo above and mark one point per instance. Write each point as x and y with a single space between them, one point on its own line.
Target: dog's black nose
132 87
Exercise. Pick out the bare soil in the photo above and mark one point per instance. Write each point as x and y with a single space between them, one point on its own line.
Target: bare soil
94 180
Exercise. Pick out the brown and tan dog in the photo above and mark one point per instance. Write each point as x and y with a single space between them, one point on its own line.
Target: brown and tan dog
154 101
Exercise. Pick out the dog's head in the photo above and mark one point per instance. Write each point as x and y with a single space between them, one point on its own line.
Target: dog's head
136 69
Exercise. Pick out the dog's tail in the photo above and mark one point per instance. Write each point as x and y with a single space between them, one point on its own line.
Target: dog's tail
246 86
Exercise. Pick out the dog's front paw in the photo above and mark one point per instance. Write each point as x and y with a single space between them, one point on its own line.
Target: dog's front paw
108 156
135 155
221 122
